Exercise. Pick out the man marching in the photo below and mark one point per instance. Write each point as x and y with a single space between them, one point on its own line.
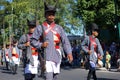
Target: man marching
30 54
14 57
6 56
92 47
52 35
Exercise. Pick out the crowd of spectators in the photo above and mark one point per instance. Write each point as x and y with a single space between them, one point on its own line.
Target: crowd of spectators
110 59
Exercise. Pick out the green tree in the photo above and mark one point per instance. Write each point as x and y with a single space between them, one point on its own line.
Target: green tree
16 13
101 12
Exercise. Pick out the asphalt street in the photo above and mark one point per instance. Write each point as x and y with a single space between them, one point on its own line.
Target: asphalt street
66 74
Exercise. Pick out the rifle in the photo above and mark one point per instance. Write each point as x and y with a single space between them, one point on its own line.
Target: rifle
24 54
42 55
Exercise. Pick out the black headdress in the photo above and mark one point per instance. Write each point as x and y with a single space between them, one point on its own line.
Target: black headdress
31 23
93 27
49 8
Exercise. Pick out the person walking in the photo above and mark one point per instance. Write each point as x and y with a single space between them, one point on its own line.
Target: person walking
30 54
91 46
14 57
6 56
0 55
52 35
108 58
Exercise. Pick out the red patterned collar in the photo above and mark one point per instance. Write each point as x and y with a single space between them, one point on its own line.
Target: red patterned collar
46 24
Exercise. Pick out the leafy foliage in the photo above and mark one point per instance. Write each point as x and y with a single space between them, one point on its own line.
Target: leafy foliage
100 11
15 15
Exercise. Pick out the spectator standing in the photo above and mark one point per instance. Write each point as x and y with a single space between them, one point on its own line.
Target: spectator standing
108 58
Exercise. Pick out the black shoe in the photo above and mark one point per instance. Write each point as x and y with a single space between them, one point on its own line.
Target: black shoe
14 72
42 76
109 69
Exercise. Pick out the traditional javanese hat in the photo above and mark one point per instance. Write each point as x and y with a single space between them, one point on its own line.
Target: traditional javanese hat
49 8
31 23
93 27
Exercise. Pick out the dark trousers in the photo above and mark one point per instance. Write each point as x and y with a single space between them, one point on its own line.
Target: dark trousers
29 76
92 72
7 63
14 68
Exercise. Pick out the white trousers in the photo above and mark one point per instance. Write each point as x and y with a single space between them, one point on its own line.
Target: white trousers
52 67
32 68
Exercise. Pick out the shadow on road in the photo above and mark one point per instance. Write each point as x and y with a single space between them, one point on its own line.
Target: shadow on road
106 79
66 68
4 70
8 72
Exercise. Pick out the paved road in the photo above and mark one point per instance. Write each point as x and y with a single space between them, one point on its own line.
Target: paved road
66 74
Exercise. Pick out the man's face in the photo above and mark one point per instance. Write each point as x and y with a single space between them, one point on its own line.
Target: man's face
95 33
8 46
31 29
50 16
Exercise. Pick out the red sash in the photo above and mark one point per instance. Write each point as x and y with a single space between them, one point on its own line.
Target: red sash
6 53
52 25
34 51
56 34
93 43
15 55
